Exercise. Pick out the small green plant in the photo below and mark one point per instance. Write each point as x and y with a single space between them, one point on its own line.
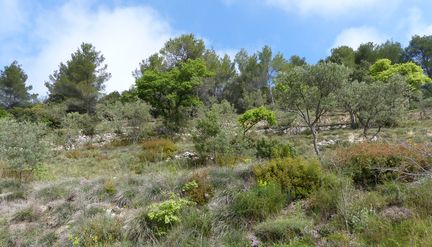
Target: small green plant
299 177
109 187
165 214
259 202
272 149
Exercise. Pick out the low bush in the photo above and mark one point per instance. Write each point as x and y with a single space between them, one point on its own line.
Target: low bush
284 228
198 189
162 216
273 149
370 164
157 150
419 197
299 177
259 202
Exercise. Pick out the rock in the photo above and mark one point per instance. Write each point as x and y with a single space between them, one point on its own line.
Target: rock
254 240
187 155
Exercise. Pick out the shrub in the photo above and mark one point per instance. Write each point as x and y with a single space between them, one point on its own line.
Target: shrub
284 229
259 202
158 150
218 139
370 164
272 149
127 119
164 215
3 113
100 230
198 188
299 177
419 197
324 201
23 146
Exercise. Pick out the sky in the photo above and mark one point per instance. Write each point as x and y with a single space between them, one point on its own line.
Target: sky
42 34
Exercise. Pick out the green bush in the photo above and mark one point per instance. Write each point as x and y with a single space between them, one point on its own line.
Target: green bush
23 146
299 177
324 201
100 230
284 228
3 113
157 150
272 149
217 139
162 216
259 202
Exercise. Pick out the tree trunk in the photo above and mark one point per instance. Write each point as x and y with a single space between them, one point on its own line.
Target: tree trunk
315 138
353 119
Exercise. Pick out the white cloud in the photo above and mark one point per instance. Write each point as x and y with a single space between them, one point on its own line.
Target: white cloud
329 8
124 35
416 24
355 36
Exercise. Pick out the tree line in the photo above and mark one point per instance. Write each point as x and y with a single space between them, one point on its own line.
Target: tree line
372 84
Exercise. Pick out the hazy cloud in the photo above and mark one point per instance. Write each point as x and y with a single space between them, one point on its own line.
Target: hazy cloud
355 36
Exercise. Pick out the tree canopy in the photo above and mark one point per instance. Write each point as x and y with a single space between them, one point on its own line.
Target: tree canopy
80 80
13 89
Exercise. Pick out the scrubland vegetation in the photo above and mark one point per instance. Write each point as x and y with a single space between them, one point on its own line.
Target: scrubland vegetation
205 151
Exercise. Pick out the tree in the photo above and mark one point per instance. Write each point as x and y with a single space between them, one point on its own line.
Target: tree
390 50
169 92
79 82
419 51
346 97
181 49
23 146
379 104
383 70
253 116
342 55
13 89
310 92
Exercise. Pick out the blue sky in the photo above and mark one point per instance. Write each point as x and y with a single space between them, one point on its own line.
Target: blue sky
41 34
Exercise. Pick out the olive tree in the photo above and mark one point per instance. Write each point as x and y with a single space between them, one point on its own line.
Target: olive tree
310 90
23 145
379 104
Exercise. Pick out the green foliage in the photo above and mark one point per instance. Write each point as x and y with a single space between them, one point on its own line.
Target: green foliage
157 150
216 137
3 113
310 91
23 146
259 202
127 119
100 230
164 215
383 70
378 104
297 176
13 89
253 116
172 92
78 82
284 228
273 149
419 50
